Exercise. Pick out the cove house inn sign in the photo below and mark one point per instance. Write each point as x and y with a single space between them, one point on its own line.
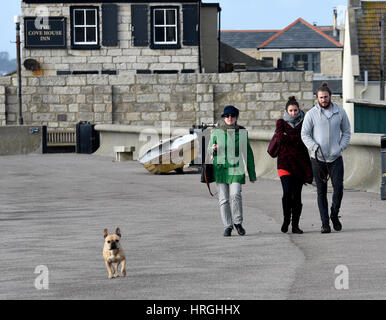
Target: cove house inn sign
118 37
45 33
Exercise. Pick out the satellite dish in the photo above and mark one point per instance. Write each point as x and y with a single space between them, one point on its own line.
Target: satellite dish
31 64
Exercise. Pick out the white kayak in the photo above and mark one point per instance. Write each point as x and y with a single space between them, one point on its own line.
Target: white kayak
171 154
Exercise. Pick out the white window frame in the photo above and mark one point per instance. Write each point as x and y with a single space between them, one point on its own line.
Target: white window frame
85 26
165 26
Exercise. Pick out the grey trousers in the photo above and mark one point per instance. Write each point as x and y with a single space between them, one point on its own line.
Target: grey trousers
230 201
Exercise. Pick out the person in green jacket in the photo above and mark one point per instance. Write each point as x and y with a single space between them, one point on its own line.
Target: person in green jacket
231 150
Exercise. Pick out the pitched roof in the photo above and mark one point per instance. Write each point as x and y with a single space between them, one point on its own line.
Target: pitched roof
243 39
369 36
300 34
330 32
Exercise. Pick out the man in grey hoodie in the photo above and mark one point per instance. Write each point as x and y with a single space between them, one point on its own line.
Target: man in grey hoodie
326 133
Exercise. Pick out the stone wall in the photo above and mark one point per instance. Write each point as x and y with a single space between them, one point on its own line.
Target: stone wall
21 140
2 106
183 99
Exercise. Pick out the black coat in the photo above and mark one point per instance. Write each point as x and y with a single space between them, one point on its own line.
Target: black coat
293 155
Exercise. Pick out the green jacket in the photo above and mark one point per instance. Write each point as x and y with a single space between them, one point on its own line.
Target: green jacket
227 167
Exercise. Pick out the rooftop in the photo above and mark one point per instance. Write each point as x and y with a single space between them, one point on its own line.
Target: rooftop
246 39
299 34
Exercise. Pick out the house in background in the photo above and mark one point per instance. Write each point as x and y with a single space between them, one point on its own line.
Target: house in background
120 37
239 47
299 46
304 47
363 66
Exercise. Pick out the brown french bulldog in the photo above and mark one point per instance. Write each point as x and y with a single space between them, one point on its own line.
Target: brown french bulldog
113 253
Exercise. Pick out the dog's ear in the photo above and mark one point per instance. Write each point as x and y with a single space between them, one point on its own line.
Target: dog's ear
118 232
106 233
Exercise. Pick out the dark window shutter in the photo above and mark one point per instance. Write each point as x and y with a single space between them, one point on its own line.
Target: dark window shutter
139 25
191 29
110 25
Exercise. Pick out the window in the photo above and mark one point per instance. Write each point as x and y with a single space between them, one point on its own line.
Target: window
165 27
309 61
84 27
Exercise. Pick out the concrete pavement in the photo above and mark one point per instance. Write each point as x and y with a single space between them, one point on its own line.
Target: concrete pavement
54 207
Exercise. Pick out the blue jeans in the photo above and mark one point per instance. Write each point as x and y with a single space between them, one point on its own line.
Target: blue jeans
337 172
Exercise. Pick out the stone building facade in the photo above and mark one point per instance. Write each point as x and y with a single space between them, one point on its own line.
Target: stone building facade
100 37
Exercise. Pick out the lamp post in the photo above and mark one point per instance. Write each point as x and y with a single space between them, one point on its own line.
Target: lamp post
17 22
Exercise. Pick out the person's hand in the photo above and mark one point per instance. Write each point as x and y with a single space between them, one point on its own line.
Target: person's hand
253 181
214 147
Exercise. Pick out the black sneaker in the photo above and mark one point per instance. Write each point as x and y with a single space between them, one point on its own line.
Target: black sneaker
240 229
325 229
336 223
228 232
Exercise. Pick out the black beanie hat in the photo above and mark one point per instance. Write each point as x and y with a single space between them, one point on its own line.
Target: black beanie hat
229 110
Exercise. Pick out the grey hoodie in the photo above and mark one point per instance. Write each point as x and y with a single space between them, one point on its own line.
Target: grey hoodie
331 134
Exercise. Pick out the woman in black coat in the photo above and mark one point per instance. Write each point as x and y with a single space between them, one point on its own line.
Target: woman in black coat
293 163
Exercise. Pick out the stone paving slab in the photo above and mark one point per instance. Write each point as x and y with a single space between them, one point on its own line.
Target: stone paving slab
54 207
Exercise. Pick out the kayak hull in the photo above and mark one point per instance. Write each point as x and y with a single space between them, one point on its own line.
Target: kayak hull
170 155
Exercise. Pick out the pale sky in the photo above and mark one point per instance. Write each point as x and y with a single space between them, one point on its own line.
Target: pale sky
235 15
